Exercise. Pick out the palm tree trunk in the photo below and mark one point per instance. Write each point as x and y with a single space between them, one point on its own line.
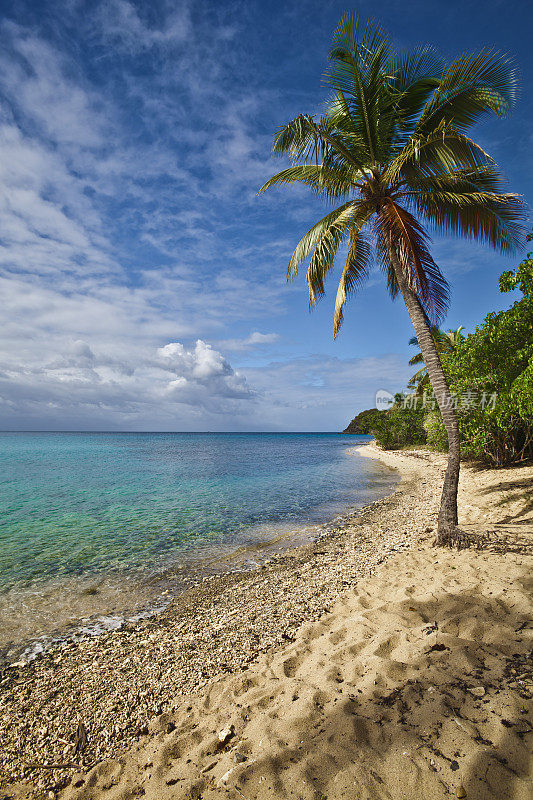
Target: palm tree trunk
447 523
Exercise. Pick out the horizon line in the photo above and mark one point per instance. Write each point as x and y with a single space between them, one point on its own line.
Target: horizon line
167 432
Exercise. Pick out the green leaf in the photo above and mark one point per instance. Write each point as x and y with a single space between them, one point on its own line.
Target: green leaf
354 273
330 182
472 85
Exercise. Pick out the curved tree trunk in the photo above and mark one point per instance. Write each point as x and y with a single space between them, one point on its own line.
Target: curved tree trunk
447 525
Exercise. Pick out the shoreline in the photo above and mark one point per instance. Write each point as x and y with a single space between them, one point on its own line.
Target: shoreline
139 688
146 601
212 614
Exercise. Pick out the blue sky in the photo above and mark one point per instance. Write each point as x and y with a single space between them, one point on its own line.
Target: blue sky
142 279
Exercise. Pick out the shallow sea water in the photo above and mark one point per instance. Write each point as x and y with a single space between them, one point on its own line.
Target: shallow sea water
95 527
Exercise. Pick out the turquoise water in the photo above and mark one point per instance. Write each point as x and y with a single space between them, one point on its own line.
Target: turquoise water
78 507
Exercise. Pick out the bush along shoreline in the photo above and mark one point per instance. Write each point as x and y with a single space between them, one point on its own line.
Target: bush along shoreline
490 374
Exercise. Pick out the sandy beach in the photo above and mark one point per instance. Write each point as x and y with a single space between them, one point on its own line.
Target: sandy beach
367 664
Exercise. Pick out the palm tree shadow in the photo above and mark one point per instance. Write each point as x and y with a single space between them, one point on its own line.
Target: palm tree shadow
451 715
513 533
520 491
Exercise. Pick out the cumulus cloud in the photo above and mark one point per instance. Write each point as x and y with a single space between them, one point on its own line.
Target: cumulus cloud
189 387
170 387
203 366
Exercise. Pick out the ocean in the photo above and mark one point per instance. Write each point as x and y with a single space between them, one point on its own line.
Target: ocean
96 528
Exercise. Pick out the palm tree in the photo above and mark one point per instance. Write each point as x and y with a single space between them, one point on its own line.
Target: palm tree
445 342
391 144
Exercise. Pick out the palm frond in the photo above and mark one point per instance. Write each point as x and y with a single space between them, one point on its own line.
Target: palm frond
415 65
478 179
338 117
419 380
353 274
407 242
495 219
343 117
298 139
471 202
311 239
471 86
357 69
304 139
418 359
321 262
443 150
346 34
456 337
384 261
445 342
414 76
348 48
330 182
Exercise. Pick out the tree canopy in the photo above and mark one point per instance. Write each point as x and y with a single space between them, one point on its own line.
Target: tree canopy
391 145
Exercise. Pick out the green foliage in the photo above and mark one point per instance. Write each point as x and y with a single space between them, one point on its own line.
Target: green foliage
437 438
364 422
498 358
445 342
491 374
521 278
399 426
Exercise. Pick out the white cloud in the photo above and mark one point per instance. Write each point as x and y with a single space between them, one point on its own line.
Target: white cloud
181 387
119 22
75 178
96 345
250 342
320 392
173 386
47 223
202 365
34 77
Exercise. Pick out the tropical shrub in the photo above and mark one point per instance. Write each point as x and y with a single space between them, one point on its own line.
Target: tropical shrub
491 375
399 426
494 367
363 423
437 438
